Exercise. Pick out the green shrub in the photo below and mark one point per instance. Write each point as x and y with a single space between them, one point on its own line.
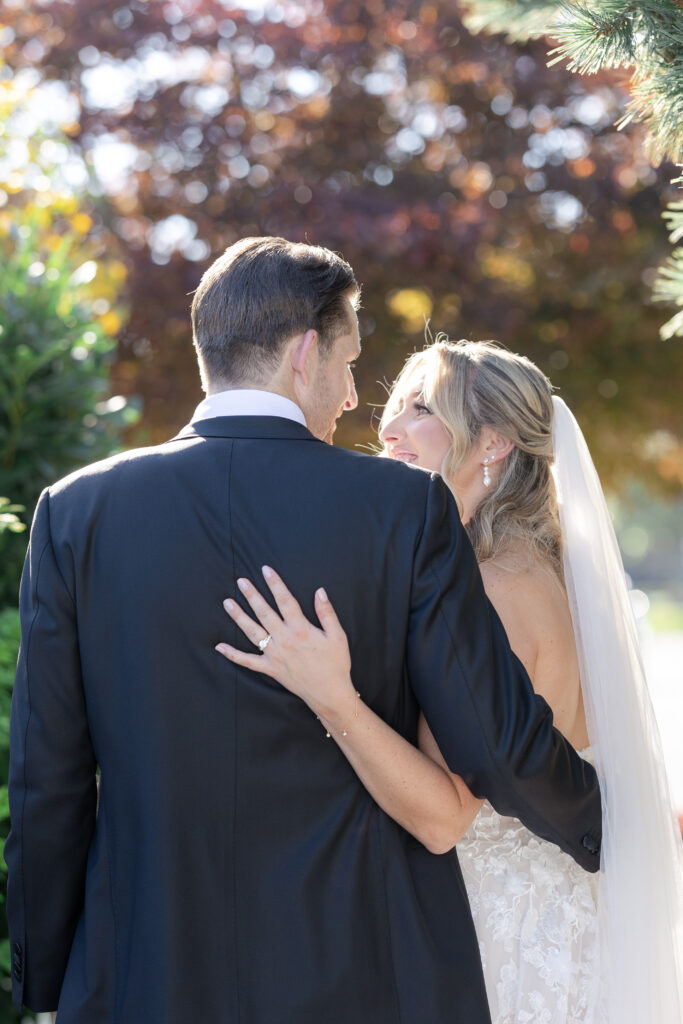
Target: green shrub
9 648
60 313
9 518
55 352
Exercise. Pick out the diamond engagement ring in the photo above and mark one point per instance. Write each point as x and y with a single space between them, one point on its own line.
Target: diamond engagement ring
264 643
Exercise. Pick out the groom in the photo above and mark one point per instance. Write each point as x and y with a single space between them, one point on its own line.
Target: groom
229 867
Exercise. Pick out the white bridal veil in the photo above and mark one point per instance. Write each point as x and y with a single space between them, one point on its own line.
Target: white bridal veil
641 880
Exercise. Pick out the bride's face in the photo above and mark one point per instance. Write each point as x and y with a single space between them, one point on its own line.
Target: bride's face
414 434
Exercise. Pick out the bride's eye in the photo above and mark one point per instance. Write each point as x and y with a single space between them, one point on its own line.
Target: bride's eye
420 408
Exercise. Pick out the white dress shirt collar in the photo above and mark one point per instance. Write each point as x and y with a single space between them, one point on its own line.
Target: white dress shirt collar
248 402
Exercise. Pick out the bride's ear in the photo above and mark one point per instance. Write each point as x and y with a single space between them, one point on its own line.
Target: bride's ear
495 446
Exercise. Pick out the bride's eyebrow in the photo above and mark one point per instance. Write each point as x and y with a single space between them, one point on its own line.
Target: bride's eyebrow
409 396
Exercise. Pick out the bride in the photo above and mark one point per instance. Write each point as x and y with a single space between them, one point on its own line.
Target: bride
558 946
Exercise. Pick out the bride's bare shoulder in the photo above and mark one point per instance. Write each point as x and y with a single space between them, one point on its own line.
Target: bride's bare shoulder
531 604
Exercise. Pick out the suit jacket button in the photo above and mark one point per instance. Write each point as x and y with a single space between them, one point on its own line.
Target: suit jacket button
17 949
590 844
17 971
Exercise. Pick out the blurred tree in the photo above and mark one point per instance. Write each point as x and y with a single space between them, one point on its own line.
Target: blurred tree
55 413
463 179
59 315
647 38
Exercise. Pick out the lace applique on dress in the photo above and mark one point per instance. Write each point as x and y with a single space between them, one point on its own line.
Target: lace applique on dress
535 912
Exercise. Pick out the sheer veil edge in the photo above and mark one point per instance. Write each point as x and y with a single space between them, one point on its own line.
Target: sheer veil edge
641 881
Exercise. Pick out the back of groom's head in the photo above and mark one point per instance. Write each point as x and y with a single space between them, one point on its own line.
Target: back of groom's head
257 296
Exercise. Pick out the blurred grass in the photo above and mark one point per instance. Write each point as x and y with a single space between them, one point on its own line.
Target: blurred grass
665 614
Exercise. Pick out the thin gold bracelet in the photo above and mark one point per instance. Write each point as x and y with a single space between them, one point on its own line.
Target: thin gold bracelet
344 730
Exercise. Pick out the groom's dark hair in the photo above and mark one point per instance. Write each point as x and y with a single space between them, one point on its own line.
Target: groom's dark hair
260 293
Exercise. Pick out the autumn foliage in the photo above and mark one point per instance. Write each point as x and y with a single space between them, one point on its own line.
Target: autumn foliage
468 184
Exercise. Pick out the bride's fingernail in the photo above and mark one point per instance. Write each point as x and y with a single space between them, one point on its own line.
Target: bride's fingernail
243 585
322 594
229 605
267 572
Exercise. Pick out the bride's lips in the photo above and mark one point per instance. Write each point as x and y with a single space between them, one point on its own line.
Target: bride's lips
402 456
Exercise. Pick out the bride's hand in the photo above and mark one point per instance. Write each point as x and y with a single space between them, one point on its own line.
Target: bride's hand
314 664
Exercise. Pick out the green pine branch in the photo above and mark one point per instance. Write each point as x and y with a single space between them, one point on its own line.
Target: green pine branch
518 20
593 38
646 37
673 216
657 102
669 284
669 288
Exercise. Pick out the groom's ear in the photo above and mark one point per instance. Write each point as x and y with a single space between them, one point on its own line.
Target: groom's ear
303 355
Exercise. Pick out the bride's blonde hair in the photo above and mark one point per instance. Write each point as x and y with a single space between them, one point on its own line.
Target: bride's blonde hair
472 384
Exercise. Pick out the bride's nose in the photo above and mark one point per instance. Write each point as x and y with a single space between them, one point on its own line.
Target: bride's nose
392 430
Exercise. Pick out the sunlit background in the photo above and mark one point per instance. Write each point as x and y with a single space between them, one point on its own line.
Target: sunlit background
470 185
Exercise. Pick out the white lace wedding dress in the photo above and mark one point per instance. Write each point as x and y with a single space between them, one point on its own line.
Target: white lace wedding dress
535 912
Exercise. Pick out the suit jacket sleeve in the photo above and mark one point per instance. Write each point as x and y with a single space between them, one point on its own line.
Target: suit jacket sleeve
490 726
52 780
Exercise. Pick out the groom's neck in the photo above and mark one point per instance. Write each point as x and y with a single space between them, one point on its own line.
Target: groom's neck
270 386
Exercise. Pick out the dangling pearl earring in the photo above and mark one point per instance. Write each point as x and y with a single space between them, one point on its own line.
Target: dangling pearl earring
487 475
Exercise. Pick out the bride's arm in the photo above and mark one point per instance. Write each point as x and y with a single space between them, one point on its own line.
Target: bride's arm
412 786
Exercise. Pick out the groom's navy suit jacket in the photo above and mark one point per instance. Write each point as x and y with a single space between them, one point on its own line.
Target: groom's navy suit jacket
229 867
